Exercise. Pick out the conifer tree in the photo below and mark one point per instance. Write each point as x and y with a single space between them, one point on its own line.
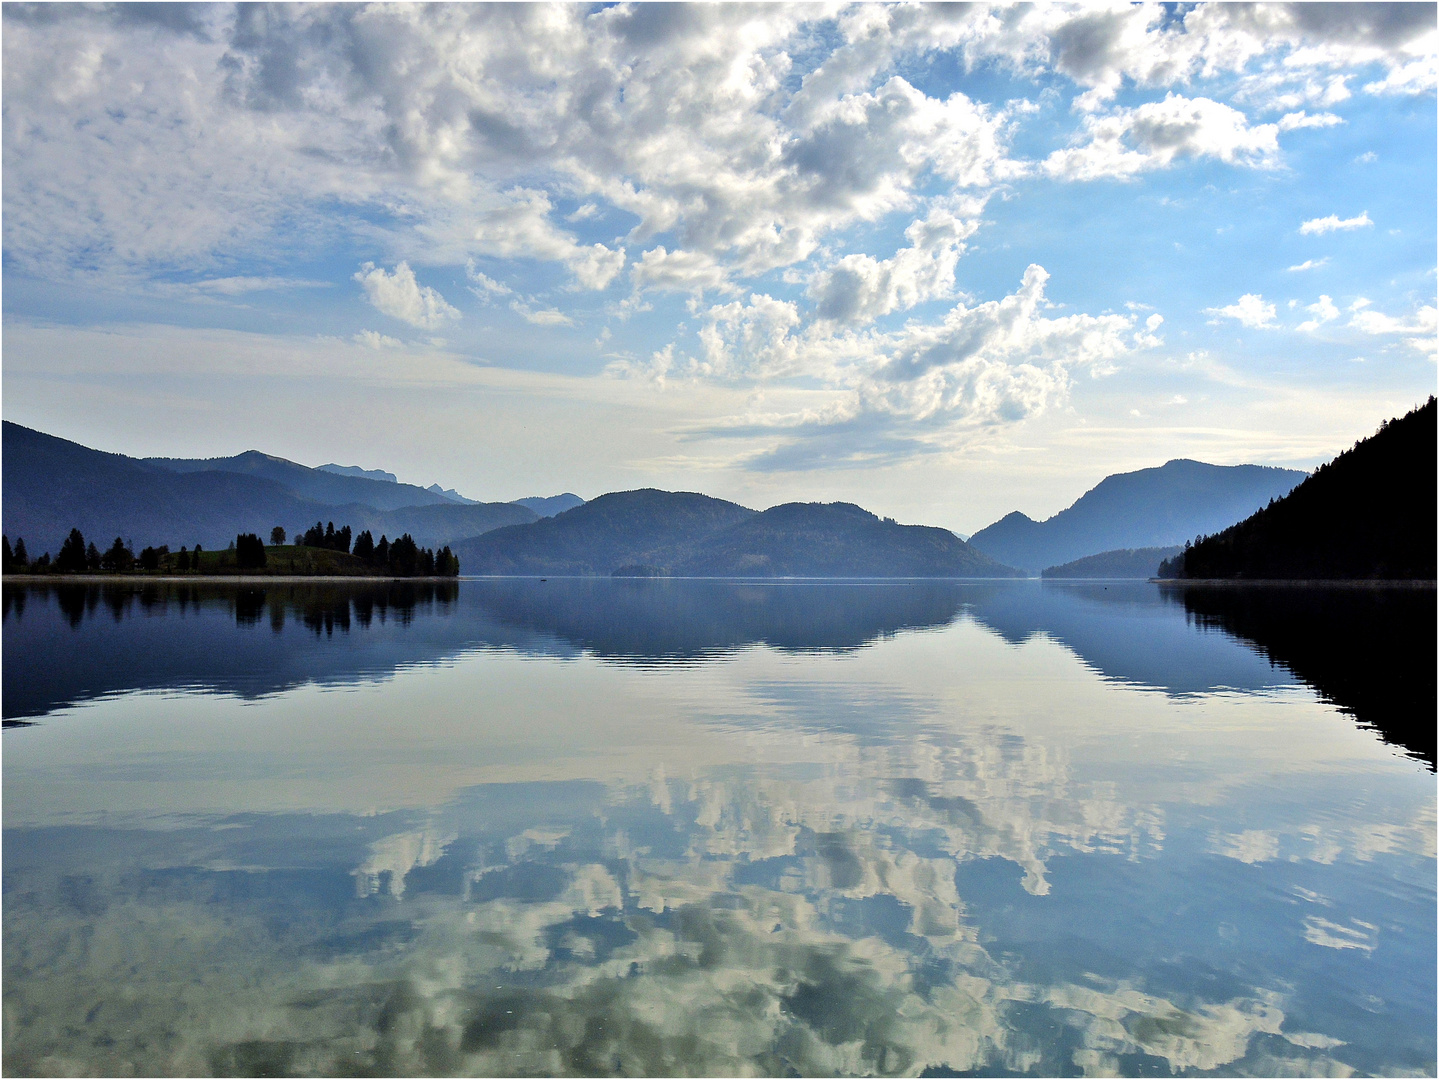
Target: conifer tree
71 559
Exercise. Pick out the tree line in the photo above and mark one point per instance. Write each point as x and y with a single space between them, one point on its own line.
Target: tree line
401 557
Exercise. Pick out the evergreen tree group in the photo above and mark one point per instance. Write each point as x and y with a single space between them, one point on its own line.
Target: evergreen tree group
249 552
401 557
404 558
323 536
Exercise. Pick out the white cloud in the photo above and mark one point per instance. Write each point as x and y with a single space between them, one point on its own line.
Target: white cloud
1310 264
995 362
485 286
680 271
860 288
1334 223
521 228
1422 326
373 339
1323 311
1301 119
544 317
1127 142
400 296
1250 310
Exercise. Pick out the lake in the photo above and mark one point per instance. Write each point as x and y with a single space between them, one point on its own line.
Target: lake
667 827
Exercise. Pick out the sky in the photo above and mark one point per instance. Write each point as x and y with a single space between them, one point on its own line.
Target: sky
945 262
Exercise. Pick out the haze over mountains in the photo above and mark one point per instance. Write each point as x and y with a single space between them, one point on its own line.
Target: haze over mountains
1156 507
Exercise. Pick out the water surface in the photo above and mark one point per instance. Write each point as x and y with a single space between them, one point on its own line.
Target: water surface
672 827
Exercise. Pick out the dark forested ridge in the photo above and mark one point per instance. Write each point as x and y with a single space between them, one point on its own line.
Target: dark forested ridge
1369 513
649 532
1157 507
1124 563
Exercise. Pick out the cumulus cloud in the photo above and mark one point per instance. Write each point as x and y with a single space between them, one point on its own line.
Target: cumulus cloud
1250 310
1334 223
999 361
1323 311
400 296
521 228
1127 142
860 288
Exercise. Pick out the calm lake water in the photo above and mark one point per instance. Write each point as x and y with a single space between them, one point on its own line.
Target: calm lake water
688 827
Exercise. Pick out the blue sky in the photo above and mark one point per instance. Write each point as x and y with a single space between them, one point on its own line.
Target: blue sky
943 262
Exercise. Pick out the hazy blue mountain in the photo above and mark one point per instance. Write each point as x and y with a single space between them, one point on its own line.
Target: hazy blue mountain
1369 513
451 495
549 506
645 527
641 532
321 485
355 470
834 540
1123 563
53 485
1150 508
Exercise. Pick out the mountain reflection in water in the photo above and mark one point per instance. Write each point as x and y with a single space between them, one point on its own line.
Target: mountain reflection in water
698 828
1369 649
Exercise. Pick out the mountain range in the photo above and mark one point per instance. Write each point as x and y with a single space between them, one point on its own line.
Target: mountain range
1115 530
52 485
1156 507
655 533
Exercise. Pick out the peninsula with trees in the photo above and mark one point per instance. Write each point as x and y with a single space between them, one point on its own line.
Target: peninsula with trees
320 551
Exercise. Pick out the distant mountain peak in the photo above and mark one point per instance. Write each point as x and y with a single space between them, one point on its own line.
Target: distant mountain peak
550 505
451 494
1155 507
355 470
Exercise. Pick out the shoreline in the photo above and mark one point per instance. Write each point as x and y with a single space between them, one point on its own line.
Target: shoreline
262 579
1306 583
206 579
